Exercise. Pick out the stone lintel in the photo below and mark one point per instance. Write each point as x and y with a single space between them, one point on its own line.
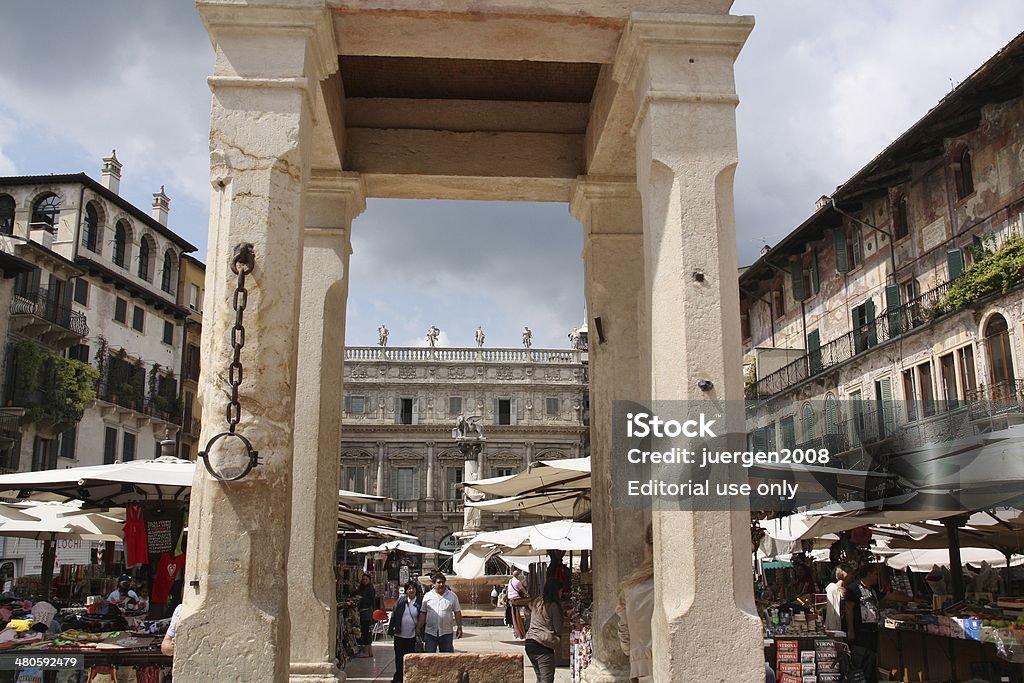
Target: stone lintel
598 9
417 186
450 35
474 154
588 190
466 115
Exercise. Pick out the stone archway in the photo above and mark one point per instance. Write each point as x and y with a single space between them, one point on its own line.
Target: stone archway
625 111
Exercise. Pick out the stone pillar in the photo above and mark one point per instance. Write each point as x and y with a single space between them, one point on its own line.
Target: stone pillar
332 201
680 71
380 468
430 470
235 618
610 212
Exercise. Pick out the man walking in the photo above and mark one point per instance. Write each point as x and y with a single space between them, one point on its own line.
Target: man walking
441 612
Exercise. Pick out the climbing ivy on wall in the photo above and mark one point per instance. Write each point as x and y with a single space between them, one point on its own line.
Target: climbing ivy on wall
995 273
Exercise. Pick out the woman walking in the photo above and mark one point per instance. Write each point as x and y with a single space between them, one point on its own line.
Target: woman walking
404 619
543 639
367 601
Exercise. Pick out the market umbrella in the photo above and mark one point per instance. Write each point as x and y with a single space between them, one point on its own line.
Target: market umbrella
559 504
401 546
923 560
470 560
544 476
165 478
50 521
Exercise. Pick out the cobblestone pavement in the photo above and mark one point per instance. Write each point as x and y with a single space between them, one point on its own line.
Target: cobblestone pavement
381 667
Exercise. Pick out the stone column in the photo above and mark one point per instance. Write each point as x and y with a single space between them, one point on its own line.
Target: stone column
430 470
235 618
332 201
380 468
680 71
610 212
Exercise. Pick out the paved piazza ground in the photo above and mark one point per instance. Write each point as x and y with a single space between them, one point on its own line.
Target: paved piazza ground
381 667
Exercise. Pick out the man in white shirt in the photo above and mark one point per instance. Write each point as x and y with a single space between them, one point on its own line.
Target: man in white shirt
441 611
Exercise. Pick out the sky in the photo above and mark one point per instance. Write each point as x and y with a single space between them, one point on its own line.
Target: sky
824 85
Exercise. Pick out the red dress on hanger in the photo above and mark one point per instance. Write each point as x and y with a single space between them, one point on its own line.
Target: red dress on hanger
136 546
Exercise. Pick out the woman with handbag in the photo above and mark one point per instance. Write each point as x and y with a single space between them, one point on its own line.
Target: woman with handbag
402 627
543 637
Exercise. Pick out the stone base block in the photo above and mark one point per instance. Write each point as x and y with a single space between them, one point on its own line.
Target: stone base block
319 672
464 667
598 672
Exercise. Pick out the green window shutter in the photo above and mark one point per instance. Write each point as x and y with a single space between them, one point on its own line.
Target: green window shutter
814 351
955 261
892 305
869 313
796 275
839 246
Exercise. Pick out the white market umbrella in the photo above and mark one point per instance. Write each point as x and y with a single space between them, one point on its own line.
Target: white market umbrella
558 505
51 521
401 546
355 498
544 476
163 478
923 560
470 560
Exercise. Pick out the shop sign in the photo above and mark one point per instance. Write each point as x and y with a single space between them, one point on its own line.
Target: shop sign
450 544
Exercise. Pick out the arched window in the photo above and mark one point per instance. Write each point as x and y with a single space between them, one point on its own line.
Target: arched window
167 277
90 228
1000 357
902 218
964 174
120 254
46 212
7 207
144 258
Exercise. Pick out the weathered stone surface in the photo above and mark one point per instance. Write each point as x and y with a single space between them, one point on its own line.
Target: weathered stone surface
463 667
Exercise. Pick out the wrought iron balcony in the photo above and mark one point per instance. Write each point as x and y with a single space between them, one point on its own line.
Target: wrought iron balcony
1002 398
42 314
890 324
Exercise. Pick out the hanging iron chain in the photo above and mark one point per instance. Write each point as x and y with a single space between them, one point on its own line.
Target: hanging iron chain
241 265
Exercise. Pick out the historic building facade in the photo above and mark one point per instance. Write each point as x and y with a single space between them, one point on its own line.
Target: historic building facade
94 334
401 405
191 291
851 335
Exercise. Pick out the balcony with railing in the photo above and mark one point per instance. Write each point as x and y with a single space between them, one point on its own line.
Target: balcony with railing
1001 399
892 323
47 317
477 355
131 396
452 506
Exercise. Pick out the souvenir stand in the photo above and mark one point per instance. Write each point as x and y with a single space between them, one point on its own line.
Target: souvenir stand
154 495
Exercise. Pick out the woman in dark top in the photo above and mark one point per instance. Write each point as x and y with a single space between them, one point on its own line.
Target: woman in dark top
367 600
404 619
543 637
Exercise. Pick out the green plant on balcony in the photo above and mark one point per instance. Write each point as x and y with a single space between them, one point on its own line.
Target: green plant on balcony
29 361
994 273
57 388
